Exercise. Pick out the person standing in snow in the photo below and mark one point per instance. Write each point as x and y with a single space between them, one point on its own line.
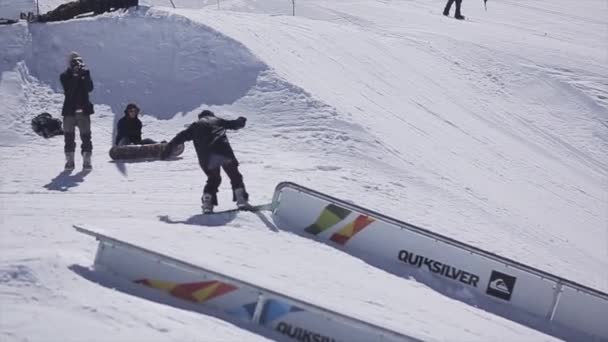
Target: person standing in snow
214 152
448 5
128 129
76 111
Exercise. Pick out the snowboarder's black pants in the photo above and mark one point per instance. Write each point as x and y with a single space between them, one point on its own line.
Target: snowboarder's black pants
446 11
214 179
83 122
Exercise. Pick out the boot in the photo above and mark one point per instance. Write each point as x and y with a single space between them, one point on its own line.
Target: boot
241 198
446 10
69 160
207 203
86 161
458 15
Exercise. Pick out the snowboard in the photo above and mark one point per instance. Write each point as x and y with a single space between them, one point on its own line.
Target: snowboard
251 208
149 152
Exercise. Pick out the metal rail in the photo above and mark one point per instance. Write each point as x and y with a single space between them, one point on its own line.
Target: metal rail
263 291
442 238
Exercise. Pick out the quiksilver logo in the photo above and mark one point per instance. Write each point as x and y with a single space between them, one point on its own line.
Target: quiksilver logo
501 285
301 334
438 267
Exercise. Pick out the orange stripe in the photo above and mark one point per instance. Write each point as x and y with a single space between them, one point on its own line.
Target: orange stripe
348 231
194 292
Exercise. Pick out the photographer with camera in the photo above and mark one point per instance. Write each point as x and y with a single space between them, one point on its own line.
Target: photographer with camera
77 108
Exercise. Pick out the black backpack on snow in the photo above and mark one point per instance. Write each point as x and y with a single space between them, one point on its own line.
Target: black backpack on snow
46 126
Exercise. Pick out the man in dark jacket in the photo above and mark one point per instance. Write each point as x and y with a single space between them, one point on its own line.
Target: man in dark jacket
448 5
214 152
77 108
128 129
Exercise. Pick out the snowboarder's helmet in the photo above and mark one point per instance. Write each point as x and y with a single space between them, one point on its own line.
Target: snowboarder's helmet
206 112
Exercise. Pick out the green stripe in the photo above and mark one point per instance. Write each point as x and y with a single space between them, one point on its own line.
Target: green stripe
330 215
338 211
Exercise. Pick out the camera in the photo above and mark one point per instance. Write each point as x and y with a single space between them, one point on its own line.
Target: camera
77 64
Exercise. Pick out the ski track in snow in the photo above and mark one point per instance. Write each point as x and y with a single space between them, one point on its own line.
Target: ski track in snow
492 132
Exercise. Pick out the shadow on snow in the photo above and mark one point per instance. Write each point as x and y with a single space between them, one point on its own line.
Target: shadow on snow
65 180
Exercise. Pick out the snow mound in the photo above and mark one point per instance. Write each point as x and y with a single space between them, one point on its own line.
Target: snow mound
164 61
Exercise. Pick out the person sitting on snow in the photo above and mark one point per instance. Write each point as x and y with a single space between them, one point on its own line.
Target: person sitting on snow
128 129
214 153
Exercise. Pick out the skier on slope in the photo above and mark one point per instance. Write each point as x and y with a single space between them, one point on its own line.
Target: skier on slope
214 152
128 129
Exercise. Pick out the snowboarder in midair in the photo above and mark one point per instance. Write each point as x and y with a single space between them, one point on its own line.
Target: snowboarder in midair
128 129
76 111
448 5
214 152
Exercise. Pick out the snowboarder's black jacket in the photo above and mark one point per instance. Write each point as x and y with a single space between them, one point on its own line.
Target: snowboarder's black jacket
209 137
129 128
76 89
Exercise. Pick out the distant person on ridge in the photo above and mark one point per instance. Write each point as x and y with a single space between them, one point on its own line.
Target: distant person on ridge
128 129
76 111
214 152
74 8
448 5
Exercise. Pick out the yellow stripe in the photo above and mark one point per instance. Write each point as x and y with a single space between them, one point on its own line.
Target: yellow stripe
163 285
202 294
347 230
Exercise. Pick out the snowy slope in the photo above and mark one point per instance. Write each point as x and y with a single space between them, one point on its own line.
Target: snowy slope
487 131
491 131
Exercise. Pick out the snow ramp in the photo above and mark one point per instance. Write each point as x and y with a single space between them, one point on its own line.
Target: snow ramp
165 63
530 296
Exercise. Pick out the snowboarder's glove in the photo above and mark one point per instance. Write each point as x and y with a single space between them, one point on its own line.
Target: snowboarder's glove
241 121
